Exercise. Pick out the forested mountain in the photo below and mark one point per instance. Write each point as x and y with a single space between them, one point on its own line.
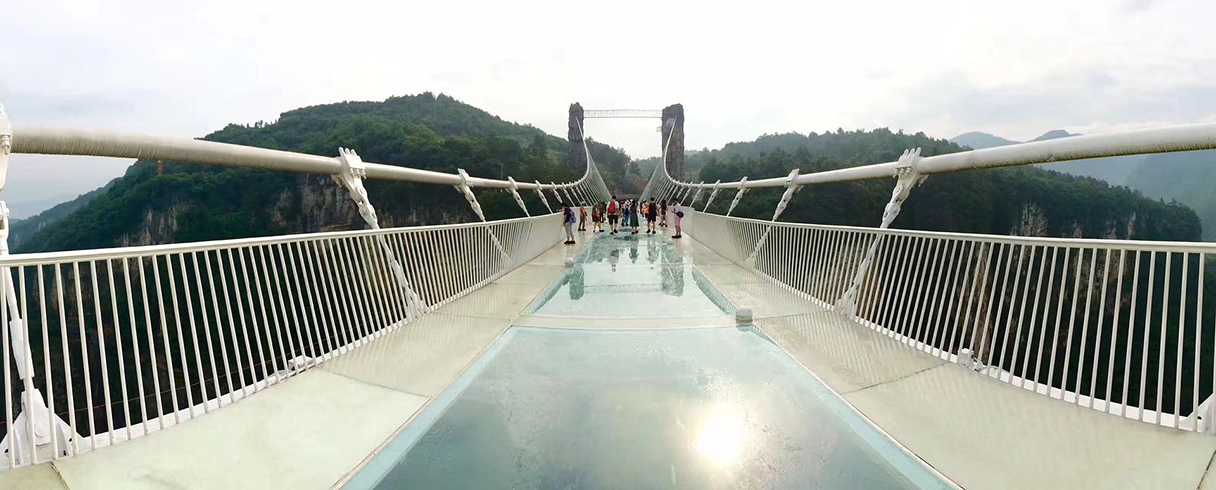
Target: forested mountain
1022 201
1186 177
978 141
24 229
188 202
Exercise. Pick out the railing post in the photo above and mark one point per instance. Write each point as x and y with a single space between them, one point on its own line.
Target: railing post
696 195
540 190
906 177
467 191
712 194
33 424
742 189
790 188
351 178
515 193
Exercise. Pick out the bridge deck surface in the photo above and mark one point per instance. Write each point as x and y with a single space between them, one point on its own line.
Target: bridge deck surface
313 431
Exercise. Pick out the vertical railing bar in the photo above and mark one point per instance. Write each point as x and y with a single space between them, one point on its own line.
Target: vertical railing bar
1051 282
1072 321
906 284
1181 334
1093 373
1165 308
1114 341
325 257
890 291
295 291
202 310
1198 340
181 342
105 369
1008 329
1041 254
361 322
255 307
1089 293
314 284
1000 306
67 363
281 329
375 279
365 300
959 289
923 320
6 330
143 291
236 290
308 300
139 376
29 362
922 274
1131 331
378 268
1055 343
1148 315
298 344
219 324
46 364
122 369
981 277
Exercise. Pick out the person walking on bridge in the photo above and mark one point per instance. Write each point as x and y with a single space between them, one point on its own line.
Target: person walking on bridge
633 218
582 216
568 223
663 213
597 218
652 212
679 212
614 209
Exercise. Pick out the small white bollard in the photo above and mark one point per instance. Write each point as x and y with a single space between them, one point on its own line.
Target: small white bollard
743 316
966 359
569 261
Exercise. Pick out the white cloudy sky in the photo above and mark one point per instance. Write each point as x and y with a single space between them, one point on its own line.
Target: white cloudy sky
1016 69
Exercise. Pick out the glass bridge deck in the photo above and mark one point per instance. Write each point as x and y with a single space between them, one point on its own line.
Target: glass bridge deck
712 407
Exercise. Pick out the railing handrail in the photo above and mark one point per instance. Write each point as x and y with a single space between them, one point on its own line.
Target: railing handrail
117 144
1098 243
1188 137
150 250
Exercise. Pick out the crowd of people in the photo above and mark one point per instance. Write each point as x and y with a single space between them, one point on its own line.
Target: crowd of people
623 216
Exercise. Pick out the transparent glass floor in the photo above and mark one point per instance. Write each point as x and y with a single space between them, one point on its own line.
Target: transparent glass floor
630 276
681 408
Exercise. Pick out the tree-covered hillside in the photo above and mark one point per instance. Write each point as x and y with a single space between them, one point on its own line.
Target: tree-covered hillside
190 202
1024 201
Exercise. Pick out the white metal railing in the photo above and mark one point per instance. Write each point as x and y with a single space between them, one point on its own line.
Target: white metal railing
1123 327
124 342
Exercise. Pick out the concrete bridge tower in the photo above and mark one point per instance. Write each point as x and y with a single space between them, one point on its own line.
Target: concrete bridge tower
673 115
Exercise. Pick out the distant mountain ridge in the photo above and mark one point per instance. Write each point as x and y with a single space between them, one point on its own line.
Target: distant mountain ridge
1186 177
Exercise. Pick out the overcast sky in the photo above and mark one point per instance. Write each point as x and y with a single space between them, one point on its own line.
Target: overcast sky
741 69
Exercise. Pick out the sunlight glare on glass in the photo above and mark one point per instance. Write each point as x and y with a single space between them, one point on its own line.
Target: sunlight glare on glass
722 437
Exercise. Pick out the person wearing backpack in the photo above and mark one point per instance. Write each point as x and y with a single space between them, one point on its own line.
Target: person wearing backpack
652 211
614 209
568 223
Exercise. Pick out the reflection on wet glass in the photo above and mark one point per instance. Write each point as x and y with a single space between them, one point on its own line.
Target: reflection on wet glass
631 276
695 408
